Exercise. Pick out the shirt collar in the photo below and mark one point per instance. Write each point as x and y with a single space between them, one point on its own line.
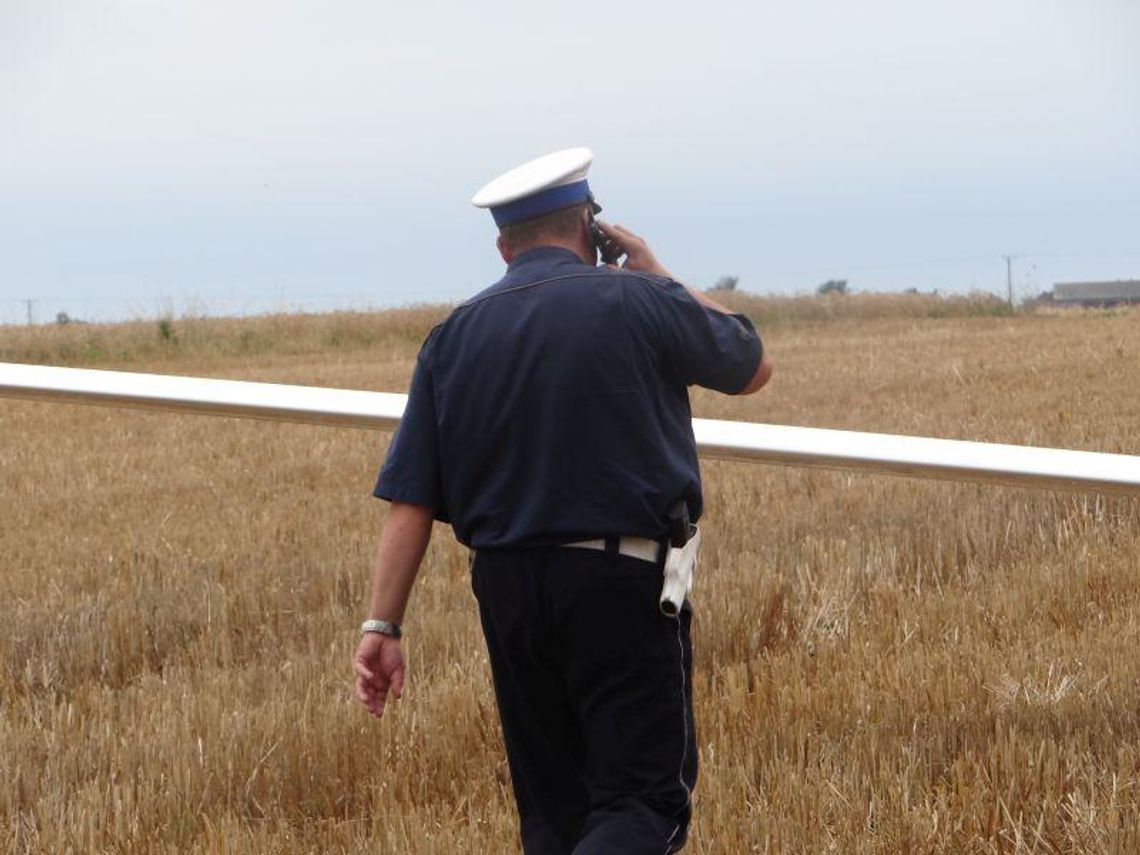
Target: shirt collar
543 254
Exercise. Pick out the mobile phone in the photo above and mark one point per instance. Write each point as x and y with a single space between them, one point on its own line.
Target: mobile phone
607 249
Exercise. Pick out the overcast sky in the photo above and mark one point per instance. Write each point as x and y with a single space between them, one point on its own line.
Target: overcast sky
248 155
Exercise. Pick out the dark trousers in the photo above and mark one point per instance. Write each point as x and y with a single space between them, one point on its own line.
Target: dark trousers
594 693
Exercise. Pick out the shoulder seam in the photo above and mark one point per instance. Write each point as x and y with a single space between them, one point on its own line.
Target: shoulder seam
534 284
649 277
655 281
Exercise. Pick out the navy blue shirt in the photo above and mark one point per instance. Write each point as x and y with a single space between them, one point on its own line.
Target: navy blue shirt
554 406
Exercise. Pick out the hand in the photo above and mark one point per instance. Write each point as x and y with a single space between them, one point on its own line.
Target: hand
379 666
638 255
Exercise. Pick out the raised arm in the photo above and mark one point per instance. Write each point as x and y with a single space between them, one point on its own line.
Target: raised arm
763 375
639 257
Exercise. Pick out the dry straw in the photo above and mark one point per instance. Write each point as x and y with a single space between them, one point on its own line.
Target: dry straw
883 665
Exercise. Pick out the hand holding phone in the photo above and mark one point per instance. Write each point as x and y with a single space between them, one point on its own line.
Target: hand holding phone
638 255
608 251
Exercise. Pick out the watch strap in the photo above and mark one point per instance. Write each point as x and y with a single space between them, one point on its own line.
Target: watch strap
382 627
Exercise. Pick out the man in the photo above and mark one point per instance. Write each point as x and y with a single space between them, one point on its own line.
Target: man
548 421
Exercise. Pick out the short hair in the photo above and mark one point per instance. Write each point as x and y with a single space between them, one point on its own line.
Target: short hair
562 224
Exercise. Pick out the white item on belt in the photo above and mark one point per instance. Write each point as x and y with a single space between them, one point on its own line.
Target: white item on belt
680 563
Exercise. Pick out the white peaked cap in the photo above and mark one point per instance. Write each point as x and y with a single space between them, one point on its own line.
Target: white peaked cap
545 184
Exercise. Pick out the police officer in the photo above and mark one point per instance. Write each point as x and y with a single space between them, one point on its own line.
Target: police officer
548 422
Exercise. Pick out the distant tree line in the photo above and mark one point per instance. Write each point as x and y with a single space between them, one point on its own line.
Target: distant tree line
725 283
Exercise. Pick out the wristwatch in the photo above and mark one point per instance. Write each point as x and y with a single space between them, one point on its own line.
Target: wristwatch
382 627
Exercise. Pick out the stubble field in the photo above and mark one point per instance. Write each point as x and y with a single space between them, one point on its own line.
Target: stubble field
882 664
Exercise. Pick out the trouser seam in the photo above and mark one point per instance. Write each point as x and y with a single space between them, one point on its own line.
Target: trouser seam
684 732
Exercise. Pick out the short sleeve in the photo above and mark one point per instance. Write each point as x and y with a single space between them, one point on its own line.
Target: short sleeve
411 471
700 346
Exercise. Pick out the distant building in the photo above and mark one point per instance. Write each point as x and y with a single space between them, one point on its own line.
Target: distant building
1097 293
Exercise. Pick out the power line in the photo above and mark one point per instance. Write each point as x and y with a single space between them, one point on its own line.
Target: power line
931 262
873 267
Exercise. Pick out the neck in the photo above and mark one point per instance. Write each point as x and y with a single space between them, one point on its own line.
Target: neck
578 246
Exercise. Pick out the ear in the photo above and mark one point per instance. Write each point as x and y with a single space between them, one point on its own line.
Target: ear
505 251
587 250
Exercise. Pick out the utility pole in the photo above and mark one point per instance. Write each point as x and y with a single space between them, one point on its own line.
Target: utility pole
29 304
1009 277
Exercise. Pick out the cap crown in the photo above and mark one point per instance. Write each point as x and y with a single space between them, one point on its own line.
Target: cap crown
553 181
